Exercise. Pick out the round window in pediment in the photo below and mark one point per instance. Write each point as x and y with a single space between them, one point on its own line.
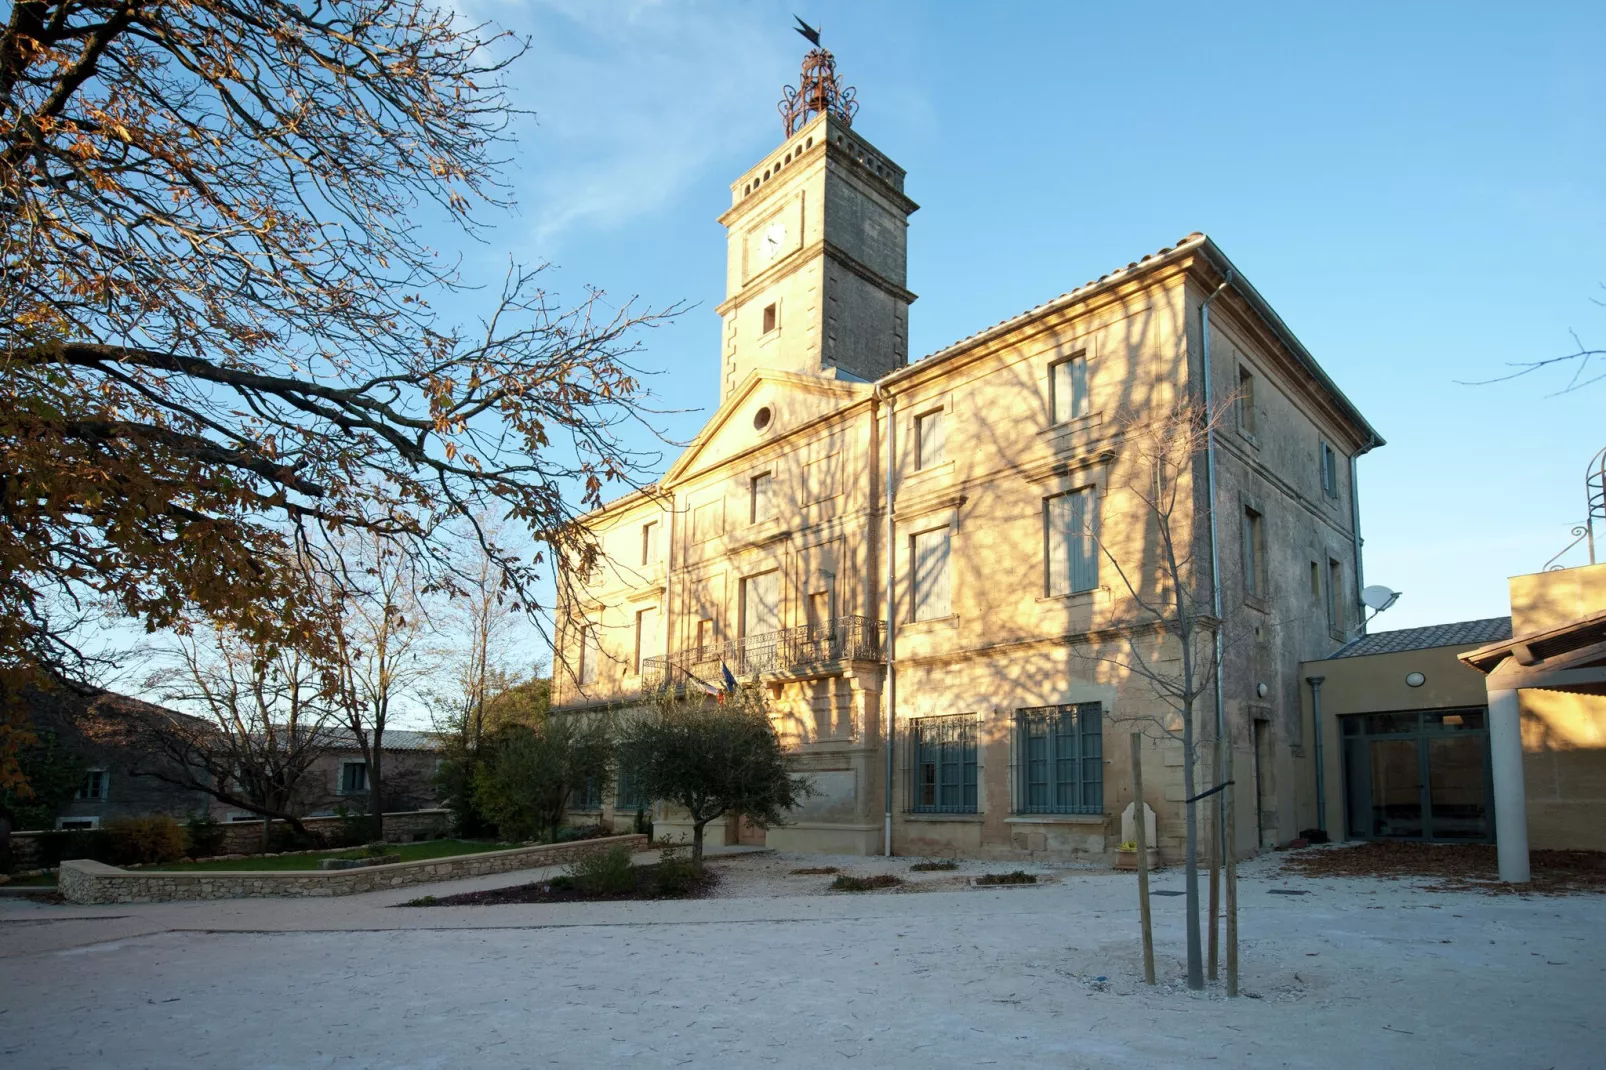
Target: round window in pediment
762 418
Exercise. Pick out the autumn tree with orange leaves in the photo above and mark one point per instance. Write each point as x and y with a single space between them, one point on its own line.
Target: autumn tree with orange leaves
219 325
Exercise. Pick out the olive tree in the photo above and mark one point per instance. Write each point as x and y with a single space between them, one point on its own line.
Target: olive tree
712 759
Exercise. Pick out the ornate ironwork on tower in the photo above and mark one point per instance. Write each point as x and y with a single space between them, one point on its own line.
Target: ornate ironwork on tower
819 90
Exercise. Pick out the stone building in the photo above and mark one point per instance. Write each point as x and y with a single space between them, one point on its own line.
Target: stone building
938 545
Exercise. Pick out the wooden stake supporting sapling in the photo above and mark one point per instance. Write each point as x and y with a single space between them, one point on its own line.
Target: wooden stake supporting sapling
1141 834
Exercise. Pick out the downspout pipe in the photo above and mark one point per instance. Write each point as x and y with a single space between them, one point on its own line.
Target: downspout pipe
1355 531
889 693
1315 683
1215 554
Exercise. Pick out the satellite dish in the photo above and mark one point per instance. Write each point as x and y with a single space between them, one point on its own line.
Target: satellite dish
1378 597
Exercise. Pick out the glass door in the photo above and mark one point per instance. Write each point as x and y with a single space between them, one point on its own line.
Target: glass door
1421 775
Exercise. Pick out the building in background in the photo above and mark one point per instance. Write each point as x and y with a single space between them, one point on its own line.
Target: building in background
982 480
1490 730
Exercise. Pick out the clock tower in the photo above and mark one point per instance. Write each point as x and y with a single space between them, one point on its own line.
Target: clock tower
817 259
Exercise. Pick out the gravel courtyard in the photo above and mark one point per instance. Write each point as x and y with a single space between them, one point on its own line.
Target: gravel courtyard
776 972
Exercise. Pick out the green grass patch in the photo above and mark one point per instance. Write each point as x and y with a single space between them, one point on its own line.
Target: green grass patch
849 883
815 871
934 867
44 880
422 851
1019 876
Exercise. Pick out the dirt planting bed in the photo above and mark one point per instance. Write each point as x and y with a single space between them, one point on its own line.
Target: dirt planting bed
1453 867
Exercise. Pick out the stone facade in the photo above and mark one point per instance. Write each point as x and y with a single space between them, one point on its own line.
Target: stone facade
765 548
94 882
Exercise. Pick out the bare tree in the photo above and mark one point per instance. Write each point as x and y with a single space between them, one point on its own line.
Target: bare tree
482 679
262 725
377 625
1163 628
1584 361
219 333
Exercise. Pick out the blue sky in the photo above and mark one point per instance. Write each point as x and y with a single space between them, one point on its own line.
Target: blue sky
1418 189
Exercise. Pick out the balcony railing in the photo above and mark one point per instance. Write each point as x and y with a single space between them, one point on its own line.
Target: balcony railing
793 650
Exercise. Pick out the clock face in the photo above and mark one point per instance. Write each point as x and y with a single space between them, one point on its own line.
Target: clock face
774 239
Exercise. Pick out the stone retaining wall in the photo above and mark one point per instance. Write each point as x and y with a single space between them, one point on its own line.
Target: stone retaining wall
82 881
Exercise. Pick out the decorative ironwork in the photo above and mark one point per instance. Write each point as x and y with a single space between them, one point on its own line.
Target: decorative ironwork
1579 531
792 650
819 91
1594 512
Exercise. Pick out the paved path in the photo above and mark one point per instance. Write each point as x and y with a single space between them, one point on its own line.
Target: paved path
1354 974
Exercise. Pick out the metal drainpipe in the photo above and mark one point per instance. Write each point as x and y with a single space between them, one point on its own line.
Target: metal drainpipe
1355 530
889 693
1215 559
1315 683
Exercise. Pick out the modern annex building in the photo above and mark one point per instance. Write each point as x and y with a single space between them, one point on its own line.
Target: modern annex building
944 545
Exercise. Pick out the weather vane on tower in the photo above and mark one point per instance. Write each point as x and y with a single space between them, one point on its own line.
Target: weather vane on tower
818 90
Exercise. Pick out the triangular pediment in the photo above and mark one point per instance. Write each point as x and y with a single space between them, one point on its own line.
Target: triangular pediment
766 406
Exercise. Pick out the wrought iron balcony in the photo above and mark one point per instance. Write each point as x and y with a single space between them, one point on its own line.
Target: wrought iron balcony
790 651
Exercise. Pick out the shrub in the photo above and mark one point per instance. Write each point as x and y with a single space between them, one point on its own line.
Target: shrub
811 871
677 873
206 836
605 873
146 839
932 867
355 828
574 833
849 883
1019 876
377 849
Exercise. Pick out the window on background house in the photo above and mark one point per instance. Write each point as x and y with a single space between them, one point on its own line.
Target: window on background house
761 494
1315 580
1067 386
590 655
1070 542
1335 596
70 824
586 796
646 637
772 317
931 440
1246 400
706 636
1329 471
1254 550
944 765
353 778
649 543
931 594
95 785
1059 759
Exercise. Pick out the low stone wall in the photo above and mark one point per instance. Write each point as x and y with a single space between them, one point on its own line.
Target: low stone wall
245 837
82 881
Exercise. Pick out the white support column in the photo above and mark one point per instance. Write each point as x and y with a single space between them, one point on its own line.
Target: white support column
1510 802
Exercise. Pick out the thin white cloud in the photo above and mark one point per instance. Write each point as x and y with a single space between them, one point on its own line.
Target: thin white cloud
633 102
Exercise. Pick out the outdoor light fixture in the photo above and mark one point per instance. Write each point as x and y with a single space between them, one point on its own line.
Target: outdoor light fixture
1261 689
1415 679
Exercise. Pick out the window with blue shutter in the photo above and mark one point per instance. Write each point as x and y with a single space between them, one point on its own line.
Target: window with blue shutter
943 779
1059 759
1070 538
